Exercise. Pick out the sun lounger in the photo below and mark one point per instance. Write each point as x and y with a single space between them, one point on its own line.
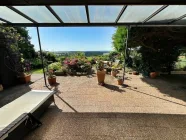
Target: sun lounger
21 115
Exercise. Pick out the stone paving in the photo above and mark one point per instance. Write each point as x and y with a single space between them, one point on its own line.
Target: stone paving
143 95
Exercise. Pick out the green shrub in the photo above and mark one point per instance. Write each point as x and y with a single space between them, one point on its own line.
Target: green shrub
55 66
36 63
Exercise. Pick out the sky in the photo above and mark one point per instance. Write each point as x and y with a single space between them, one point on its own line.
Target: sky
73 38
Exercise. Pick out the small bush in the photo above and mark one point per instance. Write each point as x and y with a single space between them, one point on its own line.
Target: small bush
55 66
36 63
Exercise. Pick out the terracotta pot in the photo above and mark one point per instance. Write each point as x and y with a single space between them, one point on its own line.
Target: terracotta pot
1 87
153 74
135 73
101 76
52 81
113 73
25 79
120 81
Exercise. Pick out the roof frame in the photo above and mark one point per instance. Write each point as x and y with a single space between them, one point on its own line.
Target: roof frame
5 20
121 13
54 14
89 23
87 13
22 14
155 13
91 2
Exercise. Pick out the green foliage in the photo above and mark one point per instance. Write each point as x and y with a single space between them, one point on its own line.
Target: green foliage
159 46
62 58
55 66
36 63
119 39
25 46
100 65
51 57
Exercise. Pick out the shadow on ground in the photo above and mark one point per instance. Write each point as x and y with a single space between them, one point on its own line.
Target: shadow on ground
113 88
169 85
85 126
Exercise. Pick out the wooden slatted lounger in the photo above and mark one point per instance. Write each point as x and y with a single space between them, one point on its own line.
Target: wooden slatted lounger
21 116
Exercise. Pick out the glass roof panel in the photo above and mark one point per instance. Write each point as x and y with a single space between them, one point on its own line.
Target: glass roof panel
12 16
38 13
182 21
104 14
71 14
138 13
170 13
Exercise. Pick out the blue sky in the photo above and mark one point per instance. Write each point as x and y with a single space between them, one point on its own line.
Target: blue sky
73 38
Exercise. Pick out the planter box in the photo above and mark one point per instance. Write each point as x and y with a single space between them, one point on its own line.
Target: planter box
25 79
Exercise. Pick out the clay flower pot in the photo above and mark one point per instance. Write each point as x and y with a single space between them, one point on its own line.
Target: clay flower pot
114 73
101 76
25 79
135 73
1 87
153 74
120 81
52 80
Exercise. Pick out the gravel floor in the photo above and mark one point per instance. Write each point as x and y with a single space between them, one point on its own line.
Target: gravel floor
145 109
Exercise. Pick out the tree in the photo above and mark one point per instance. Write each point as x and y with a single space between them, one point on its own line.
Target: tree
119 39
159 46
25 46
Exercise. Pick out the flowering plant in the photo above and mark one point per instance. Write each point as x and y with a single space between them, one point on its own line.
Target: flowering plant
81 65
26 67
51 74
100 65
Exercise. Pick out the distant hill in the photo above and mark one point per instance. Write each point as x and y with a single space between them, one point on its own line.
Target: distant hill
87 53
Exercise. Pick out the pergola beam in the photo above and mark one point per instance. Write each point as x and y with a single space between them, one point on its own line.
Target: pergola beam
180 18
121 13
87 13
41 54
54 13
89 24
91 2
5 20
22 14
155 13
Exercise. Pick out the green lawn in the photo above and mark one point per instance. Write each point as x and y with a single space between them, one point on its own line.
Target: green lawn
37 71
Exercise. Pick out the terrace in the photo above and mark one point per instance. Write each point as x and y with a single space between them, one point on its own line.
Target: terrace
144 109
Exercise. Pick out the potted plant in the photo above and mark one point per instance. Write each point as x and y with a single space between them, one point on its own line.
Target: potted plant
25 76
153 74
100 72
114 71
1 87
120 80
51 77
135 73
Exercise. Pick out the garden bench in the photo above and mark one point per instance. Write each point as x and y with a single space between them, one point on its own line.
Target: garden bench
21 115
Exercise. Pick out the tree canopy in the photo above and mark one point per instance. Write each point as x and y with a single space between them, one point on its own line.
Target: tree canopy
25 46
119 39
159 46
